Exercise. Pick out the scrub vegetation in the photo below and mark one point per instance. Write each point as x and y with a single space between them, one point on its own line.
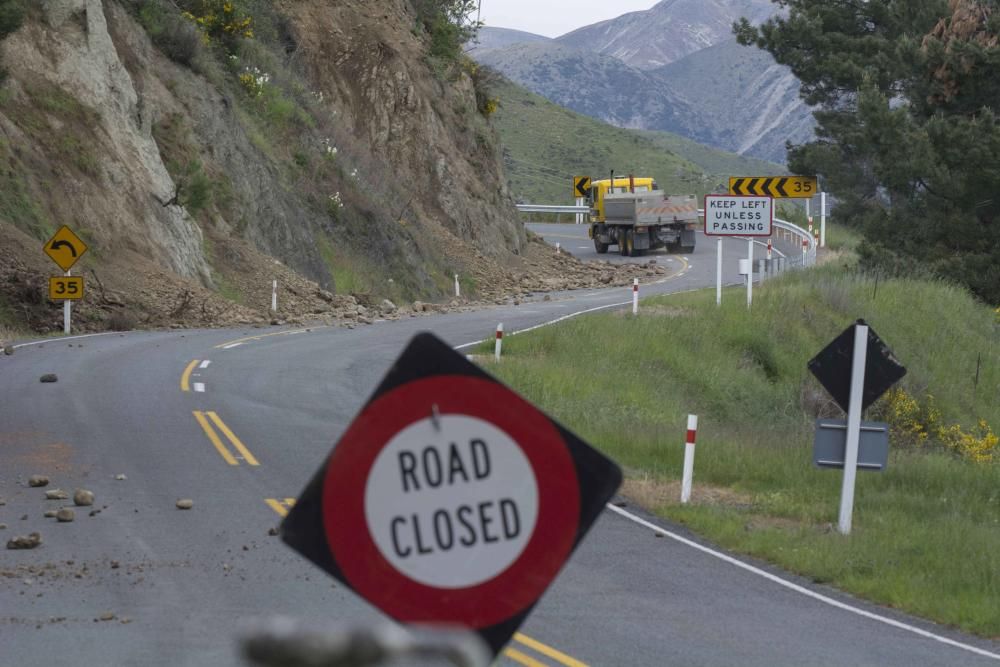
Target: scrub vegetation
926 536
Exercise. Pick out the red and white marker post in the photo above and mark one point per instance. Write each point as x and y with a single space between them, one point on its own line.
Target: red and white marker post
769 248
805 250
499 344
635 296
692 433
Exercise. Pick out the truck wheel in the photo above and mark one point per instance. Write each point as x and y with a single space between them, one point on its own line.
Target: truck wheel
601 248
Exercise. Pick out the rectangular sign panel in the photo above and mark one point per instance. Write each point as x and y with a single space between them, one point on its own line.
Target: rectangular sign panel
792 187
732 215
831 442
65 287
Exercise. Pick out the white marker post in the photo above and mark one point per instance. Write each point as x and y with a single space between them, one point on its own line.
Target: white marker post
458 290
274 296
499 343
579 216
692 434
558 248
635 296
853 427
822 220
67 311
805 249
808 207
718 274
750 275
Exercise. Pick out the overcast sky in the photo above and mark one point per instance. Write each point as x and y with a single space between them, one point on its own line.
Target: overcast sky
555 17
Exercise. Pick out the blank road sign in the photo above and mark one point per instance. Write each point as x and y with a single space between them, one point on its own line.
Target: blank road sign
832 367
830 444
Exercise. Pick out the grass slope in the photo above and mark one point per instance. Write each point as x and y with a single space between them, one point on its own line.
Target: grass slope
545 145
926 535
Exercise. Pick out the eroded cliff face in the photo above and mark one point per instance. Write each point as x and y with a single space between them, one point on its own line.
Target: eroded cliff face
365 171
72 107
365 59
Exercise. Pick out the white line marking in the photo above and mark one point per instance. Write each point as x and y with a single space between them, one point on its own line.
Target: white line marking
231 346
199 387
58 340
204 364
802 589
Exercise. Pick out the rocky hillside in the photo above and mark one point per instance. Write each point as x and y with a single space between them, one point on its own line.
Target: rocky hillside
331 146
743 100
673 68
669 31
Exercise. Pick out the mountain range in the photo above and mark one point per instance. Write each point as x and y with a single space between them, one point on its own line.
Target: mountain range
675 67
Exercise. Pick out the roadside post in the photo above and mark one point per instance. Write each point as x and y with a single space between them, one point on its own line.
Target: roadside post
692 433
822 220
635 296
746 216
65 249
581 190
499 343
718 272
450 500
458 290
805 250
873 370
274 296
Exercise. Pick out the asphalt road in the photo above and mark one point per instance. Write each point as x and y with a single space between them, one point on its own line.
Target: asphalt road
182 585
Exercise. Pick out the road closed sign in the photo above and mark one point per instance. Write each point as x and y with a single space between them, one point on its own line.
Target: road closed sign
450 499
736 215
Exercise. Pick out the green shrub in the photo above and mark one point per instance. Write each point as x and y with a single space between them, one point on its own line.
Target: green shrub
11 16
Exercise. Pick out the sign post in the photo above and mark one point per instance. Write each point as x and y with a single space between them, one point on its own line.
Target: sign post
65 249
873 369
737 215
450 500
822 220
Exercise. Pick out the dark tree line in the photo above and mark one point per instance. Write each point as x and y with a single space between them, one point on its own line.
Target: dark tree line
908 140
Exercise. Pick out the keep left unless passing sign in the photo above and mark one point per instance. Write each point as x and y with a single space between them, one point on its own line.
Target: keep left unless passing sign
450 499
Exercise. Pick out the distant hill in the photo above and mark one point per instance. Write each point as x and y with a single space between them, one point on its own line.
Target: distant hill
599 86
499 38
545 145
750 102
667 32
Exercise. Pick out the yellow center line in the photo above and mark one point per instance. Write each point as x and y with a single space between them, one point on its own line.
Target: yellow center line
276 506
546 650
186 377
240 447
522 658
214 439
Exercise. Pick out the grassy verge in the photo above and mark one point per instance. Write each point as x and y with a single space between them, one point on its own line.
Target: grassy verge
926 533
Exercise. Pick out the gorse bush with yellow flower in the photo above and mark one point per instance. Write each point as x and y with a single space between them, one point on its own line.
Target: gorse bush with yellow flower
220 20
916 424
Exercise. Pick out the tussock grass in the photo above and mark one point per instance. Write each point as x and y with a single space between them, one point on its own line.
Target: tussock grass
926 533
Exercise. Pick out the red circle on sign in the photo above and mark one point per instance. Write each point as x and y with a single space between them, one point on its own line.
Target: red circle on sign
509 592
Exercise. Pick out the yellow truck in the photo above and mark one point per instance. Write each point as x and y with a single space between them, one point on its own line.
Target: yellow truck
634 214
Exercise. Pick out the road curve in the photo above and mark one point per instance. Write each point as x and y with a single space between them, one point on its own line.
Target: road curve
238 420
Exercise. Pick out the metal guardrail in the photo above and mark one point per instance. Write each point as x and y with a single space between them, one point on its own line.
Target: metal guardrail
545 208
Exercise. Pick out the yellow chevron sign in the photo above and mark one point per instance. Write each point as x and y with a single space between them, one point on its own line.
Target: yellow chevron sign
801 187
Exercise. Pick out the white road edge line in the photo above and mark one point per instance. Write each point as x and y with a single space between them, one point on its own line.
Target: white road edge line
59 340
738 563
802 589
199 387
205 364
231 346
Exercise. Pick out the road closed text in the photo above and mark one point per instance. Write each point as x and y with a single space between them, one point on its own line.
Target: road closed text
451 501
451 527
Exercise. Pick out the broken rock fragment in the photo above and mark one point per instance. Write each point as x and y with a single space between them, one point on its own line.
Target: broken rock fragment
83 497
65 515
185 504
49 377
56 494
25 541
38 480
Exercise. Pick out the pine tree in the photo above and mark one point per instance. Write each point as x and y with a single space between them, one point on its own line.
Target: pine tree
907 138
